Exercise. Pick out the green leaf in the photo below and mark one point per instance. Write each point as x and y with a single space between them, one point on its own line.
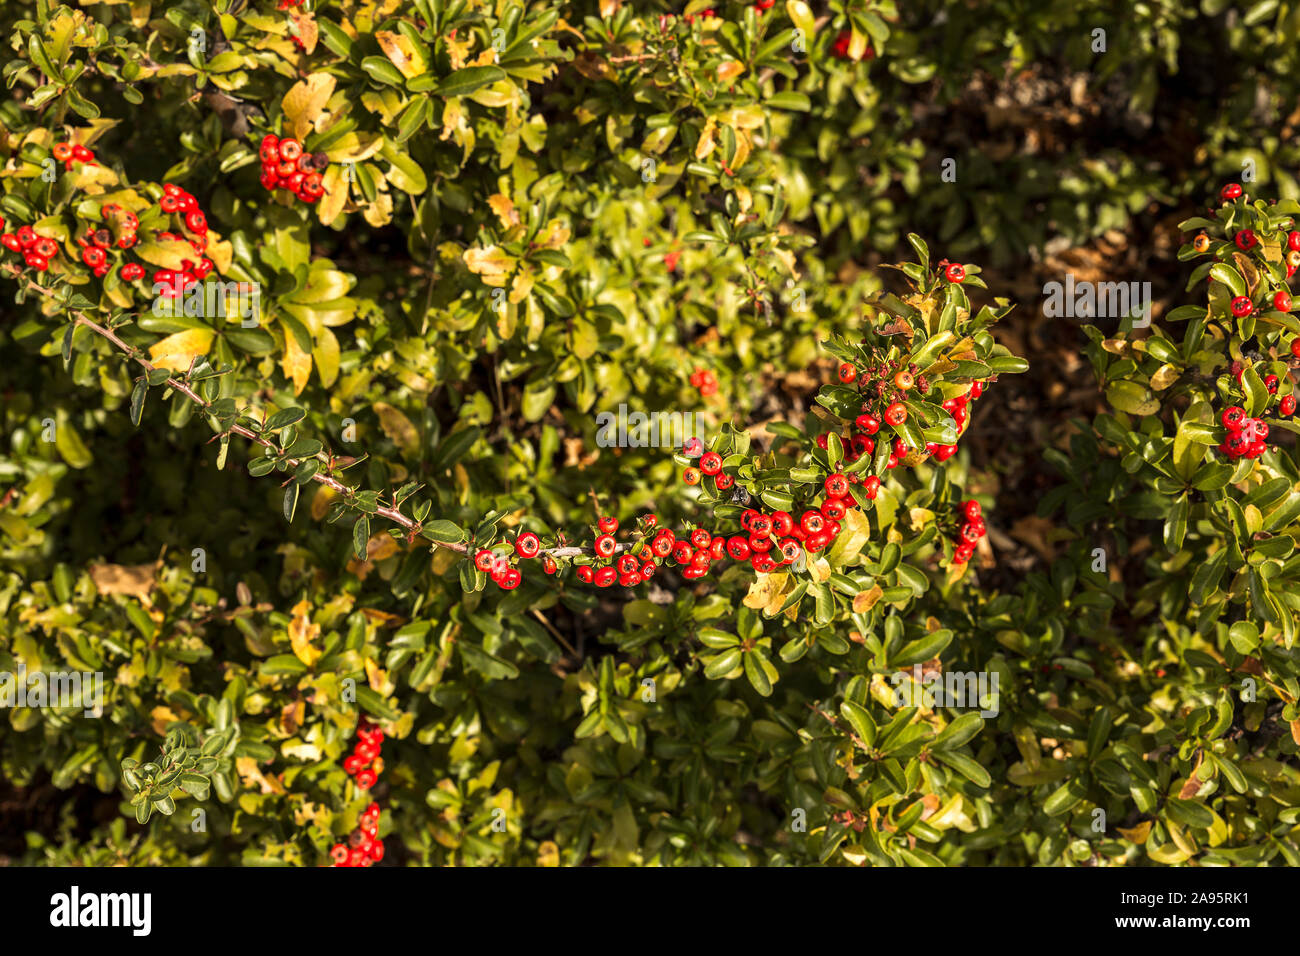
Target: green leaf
444 532
468 79
360 536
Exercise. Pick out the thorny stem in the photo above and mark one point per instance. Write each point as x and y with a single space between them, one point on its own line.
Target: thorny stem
392 514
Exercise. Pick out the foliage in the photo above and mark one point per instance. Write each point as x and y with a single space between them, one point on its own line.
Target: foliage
535 213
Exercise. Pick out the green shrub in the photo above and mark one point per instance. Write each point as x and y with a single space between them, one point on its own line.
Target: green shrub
259 532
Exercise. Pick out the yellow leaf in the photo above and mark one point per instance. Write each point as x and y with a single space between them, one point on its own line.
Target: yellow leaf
489 263
320 502
1164 376
705 144
177 351
336 187
1137 834
302 632
295 363
308 33
854 534
729 70
505 209
326 354
168 254
397 426
305 101
159 718
401 52
768 592
355 147
865 600
136 580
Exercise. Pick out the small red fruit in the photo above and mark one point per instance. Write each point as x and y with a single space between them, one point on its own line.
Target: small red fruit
848 374
1245 239
837 486
607 524
1282 301
1242 306
711 463
955 272
691 476
812 522
1231 191
527 545
606 546
867 423
1287 405
585 573
131 271
1233 418
896 414
290 150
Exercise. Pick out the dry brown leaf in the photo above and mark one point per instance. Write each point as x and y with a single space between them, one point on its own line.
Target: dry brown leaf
135 580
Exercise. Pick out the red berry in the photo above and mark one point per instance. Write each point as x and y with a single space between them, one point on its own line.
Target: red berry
93 256
605 577
837 486
1242 306
682 552
1282 301
724 481
781 523
848 374
691 476
700 539
290 150
585 573
867 423
527 545
606 546
10 242
607 525
834 509
1287 405
1233 418
1271 383
871 486
366 779
1230 191
195 221
955 272
36 261
662 546
896 414
971 509
628 564
711 463
131 271
718 548
760 525
1293 241
812 522
1295 346
510 579
738 548
762 563
1245 239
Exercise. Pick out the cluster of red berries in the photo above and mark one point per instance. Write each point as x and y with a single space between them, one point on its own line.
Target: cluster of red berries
1246 436
365 762
69 153
690 17
710 465
364 848
177 202
840 48
37 250
1245 240
286 166
505 574
705 381
861 440
971 532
